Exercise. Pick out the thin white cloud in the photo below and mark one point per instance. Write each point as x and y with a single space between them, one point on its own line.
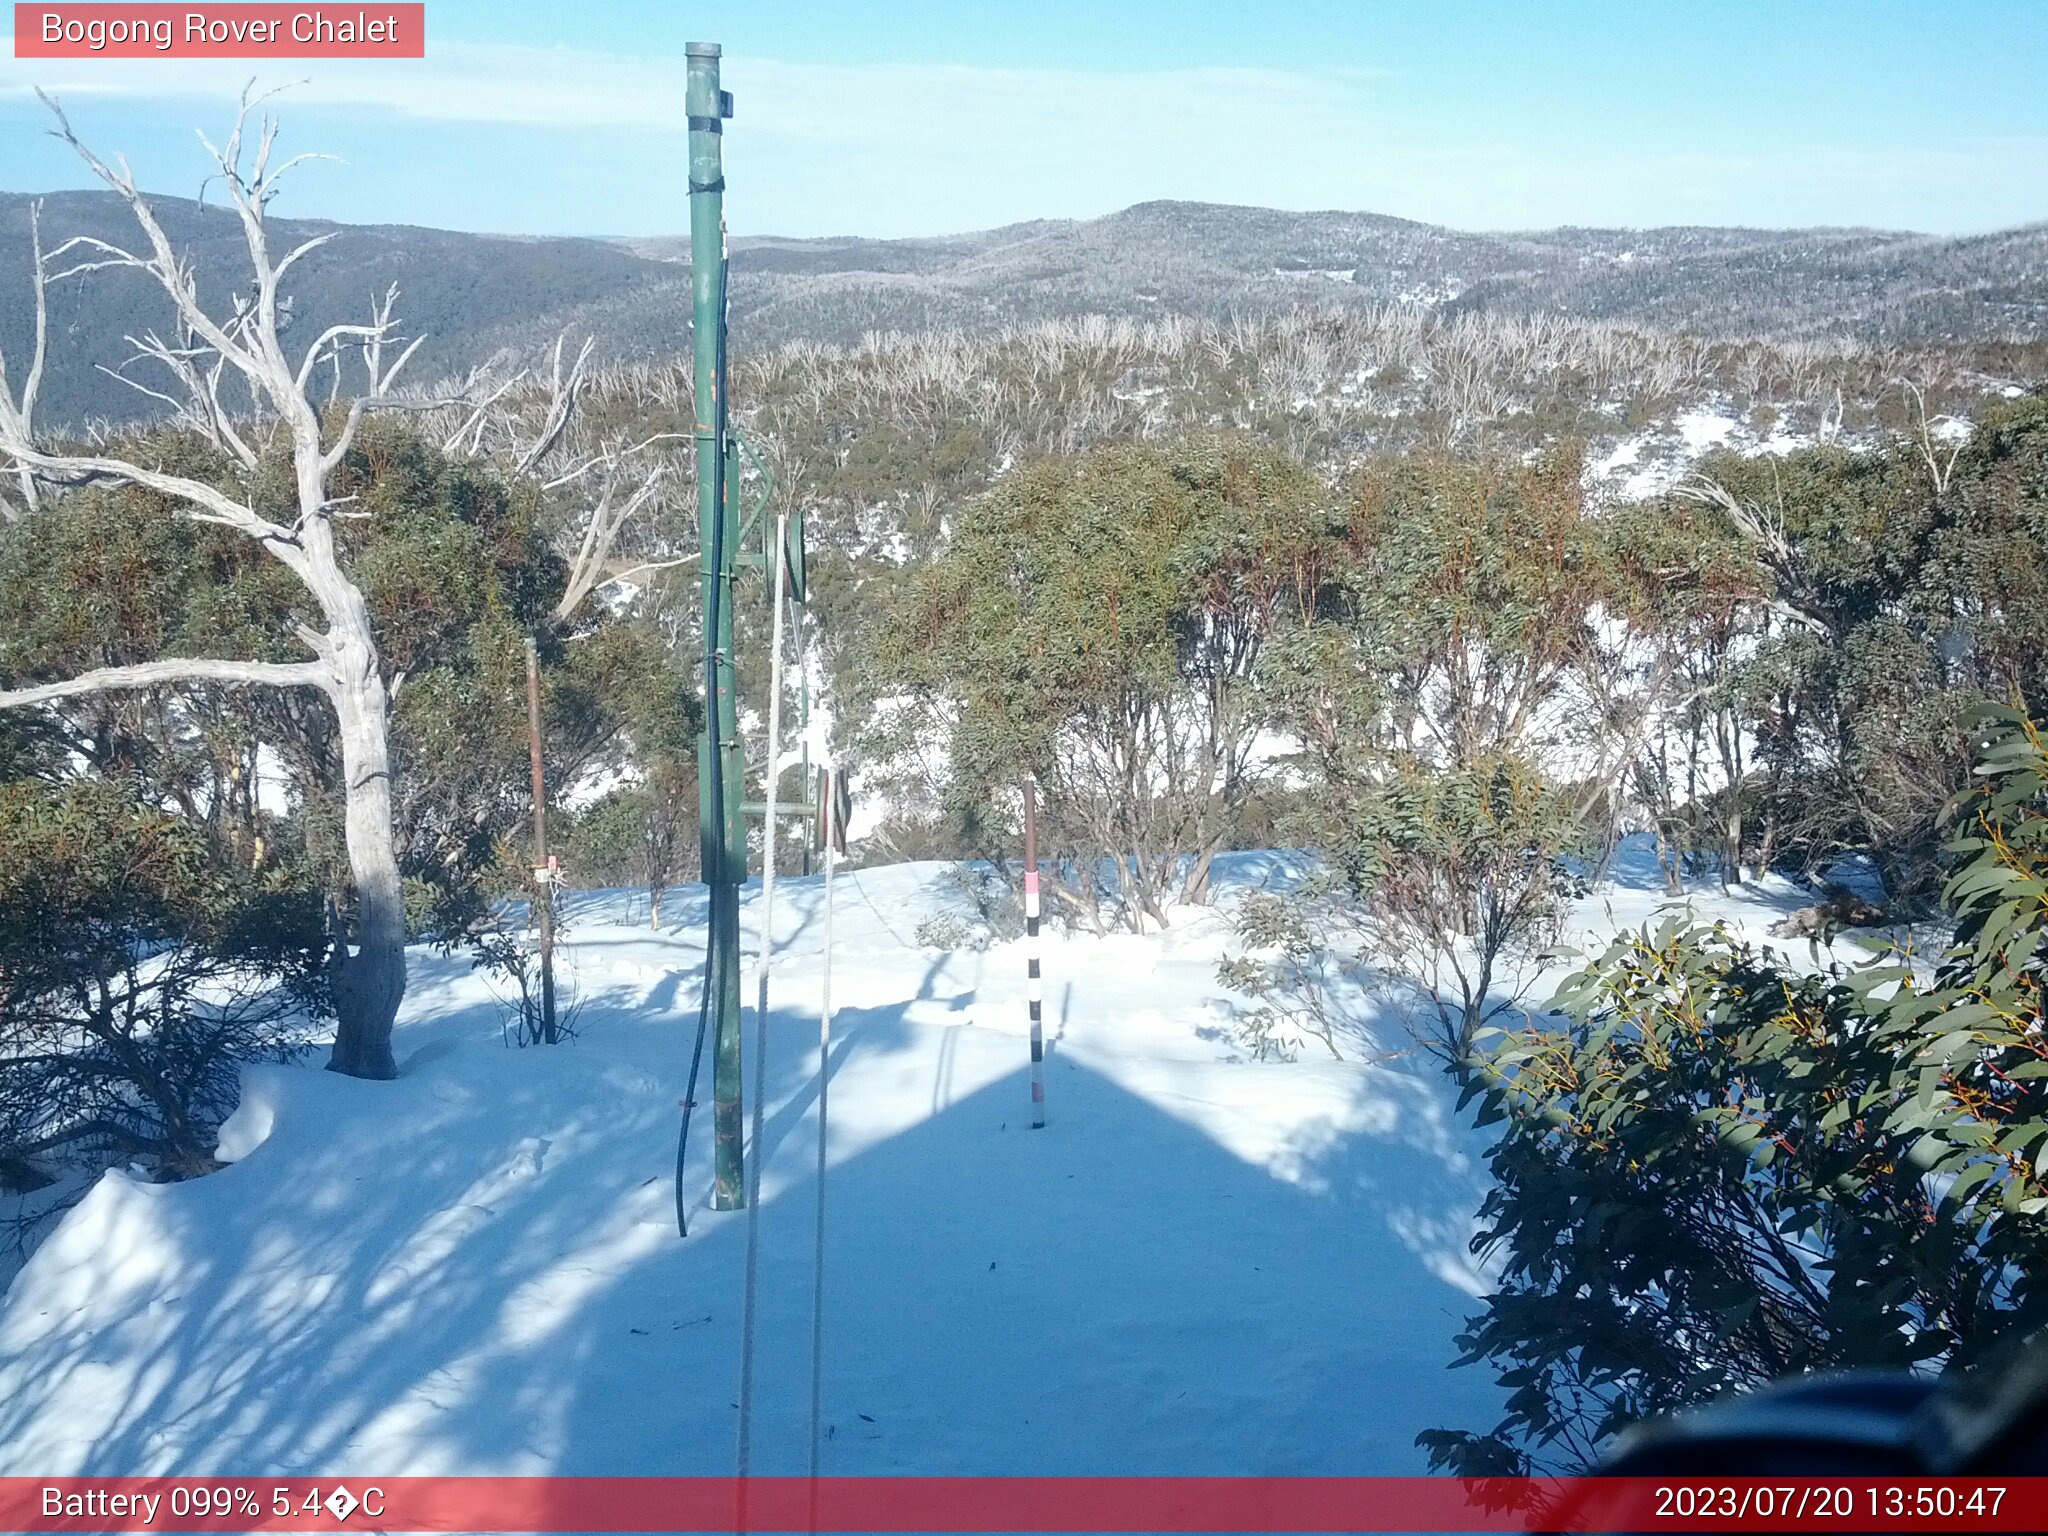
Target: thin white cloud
923 148
569 87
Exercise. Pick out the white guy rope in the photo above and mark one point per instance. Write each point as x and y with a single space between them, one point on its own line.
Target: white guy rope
764 946
827 812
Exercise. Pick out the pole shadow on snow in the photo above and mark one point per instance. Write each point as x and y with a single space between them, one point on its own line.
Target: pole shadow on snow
453 1274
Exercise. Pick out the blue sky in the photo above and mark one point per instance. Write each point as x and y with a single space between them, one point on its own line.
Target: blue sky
916 117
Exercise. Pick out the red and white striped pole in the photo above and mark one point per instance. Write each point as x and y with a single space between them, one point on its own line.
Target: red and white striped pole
1036 986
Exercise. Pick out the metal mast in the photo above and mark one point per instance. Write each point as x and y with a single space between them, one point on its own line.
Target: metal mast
720 767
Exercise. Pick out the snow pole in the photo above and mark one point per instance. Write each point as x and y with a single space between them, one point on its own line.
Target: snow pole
543 866
1035 984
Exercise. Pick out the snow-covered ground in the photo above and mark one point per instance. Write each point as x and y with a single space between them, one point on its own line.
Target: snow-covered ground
1203 1264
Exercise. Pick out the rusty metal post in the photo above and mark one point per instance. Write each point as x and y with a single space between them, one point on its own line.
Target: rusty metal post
543 871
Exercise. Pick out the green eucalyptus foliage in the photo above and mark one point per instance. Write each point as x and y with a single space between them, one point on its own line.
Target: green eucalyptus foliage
1908 591
136 972
114 577
1459 870
1425 683
1097 621
457 567
1718 1170
1473 584
1692 595
645 832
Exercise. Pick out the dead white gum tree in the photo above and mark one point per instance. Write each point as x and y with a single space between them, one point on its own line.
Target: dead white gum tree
226 375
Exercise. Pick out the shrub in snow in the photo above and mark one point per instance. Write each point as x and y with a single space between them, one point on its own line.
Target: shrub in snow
1456 888
136 975
1719 1170
642 834
1301 966
1096 621
951 930
507 950
992 912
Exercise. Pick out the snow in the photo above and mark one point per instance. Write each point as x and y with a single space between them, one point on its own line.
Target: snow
254 1116
1634 897
1701 430
273 782
1201 1262
598 781
1647 464
619 595
1202 1265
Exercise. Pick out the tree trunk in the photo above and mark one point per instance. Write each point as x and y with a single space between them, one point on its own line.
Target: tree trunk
1728 739
1767 843
370 982
1669 857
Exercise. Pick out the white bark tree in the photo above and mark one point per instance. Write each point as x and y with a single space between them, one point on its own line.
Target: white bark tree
230 378
17 414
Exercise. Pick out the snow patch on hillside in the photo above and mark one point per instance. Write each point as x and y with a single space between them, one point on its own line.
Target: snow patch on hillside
1649 463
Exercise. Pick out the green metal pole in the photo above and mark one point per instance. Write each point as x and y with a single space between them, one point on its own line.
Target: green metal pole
719 766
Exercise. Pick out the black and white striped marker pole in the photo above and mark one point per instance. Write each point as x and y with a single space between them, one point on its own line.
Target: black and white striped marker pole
1036 988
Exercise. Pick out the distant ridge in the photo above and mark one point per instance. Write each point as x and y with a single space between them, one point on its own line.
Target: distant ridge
477 294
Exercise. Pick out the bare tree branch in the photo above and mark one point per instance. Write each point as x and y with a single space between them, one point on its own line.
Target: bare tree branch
646 567
562 395
244 342
205 503
324 344
1765 530
1940 468
586 570
157 674
471 428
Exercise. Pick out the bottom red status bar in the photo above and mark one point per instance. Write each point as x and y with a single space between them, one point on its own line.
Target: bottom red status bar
1015 1504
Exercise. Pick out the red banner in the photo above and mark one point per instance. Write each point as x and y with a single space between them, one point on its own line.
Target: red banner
1007 1504
372 31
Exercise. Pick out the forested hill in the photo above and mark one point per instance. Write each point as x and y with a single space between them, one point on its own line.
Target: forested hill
474 294
470 294
1211 259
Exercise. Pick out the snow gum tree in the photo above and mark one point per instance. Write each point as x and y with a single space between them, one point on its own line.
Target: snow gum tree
1899 590
1717 1170
137 972
225 372
1430 687
1098 620
1691 595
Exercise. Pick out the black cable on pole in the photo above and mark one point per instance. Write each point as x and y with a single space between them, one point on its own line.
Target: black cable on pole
690 1094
